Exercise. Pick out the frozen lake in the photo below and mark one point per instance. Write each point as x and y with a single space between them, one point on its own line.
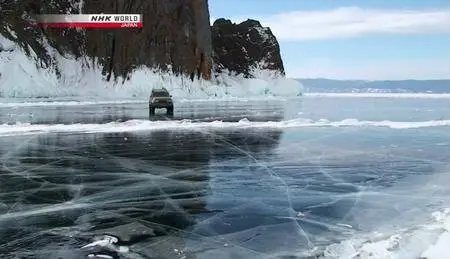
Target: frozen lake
313 177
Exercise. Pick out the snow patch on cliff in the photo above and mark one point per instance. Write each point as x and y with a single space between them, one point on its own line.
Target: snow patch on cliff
264 32
80 6
22 78
6 45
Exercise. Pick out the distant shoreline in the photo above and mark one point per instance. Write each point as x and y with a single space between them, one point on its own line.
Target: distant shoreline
441 86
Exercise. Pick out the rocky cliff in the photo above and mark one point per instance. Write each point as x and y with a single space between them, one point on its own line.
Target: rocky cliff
175 33
177 36
239 47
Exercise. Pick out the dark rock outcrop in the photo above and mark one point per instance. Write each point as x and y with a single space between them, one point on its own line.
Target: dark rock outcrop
175 33
239 47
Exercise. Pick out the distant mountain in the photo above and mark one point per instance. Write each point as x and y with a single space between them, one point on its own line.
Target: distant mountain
382 86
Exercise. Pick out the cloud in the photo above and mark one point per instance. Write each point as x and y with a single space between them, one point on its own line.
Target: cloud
390 69
347 22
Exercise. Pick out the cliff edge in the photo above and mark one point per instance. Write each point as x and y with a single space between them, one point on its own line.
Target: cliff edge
241 47
176 35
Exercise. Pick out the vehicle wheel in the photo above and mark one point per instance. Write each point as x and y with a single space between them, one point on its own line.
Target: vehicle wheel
170 110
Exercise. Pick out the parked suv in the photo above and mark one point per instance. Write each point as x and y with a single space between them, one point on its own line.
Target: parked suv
160 98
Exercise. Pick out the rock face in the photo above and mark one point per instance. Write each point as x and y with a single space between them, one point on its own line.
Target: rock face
175 33
239 47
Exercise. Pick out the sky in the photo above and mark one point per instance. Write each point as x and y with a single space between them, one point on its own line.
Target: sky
353 39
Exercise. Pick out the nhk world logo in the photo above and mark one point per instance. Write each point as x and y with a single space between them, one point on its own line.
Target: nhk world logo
90 21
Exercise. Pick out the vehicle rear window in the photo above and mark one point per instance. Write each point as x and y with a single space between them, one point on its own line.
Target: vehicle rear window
161 94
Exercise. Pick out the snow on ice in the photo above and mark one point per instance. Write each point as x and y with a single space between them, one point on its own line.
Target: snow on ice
79 78
145 125
429 241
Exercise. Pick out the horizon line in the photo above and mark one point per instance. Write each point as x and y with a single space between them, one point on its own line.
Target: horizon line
367 80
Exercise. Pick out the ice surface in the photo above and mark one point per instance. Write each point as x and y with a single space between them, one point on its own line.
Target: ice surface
362 183
15 104
264 192
22 78
145 125
380 95
81 101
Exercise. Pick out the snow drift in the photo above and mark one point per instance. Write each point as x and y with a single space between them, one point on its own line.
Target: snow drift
428 241
145 125
22 78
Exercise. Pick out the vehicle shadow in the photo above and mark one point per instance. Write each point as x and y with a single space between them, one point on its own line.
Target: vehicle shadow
160 115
